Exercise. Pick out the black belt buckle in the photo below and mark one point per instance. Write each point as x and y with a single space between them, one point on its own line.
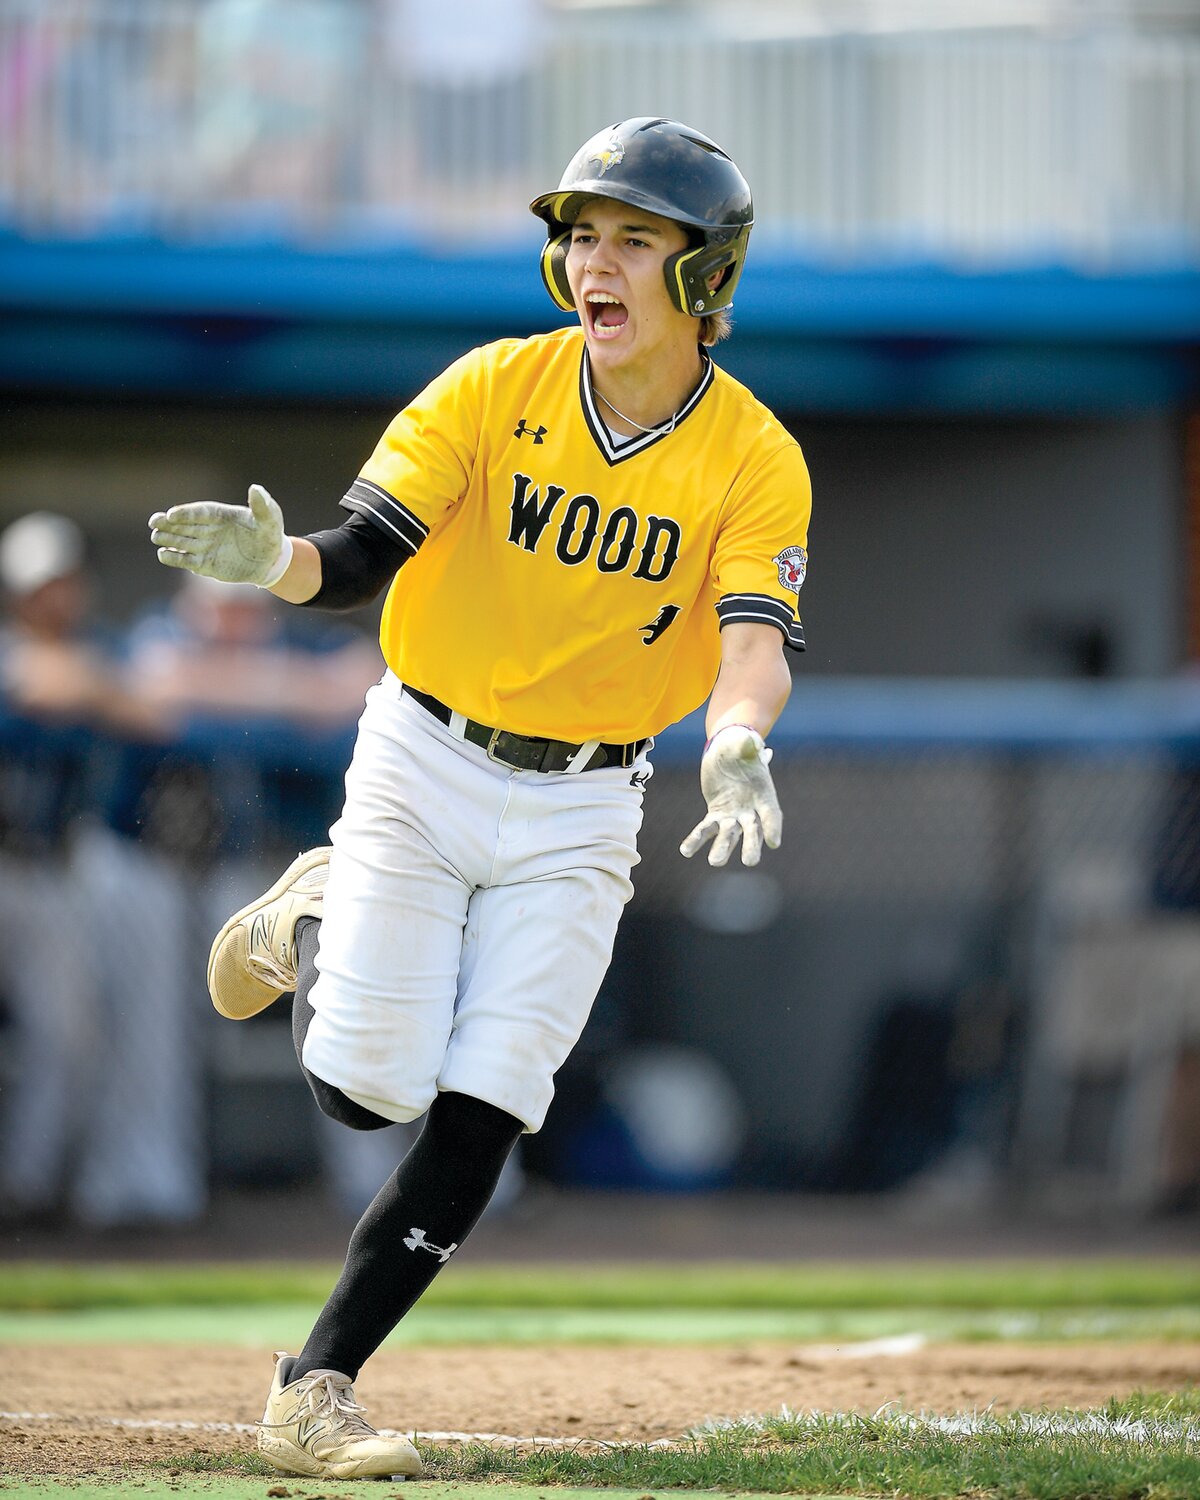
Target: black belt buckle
516 751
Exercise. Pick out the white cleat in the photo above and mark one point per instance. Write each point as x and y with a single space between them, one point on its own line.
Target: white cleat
253 959
314 1426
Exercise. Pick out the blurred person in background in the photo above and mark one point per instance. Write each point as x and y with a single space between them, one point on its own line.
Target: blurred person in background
228 649
100 1105
228 652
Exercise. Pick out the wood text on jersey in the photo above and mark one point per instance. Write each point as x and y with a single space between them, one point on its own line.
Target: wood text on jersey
651 547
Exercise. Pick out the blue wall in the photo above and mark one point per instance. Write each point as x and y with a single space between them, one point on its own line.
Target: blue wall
270 322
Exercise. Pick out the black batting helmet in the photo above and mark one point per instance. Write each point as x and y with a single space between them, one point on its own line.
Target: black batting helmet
669 169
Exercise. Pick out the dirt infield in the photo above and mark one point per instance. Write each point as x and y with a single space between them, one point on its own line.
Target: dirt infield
626 1393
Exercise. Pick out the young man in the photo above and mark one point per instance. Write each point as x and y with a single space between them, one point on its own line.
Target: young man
585 534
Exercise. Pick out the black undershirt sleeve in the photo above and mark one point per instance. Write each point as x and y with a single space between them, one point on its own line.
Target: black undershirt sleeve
358 558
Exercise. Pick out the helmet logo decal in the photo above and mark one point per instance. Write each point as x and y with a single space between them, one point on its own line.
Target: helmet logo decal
610 153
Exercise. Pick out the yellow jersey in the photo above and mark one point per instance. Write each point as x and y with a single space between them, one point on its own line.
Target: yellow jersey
565 583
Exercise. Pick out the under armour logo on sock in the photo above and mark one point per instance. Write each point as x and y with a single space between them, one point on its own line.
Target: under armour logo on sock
415 1240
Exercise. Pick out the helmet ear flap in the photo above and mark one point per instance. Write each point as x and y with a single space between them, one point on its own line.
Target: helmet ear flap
554 270
674 270
687 276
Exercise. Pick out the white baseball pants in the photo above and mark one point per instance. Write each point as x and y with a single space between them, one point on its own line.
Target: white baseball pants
469 917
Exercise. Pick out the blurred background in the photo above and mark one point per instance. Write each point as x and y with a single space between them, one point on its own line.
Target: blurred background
237 235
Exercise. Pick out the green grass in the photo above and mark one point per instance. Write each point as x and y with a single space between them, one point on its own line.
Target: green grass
870 1457
889 1454
1157 1406
278 1325
273 1305
1144 1448
798 1286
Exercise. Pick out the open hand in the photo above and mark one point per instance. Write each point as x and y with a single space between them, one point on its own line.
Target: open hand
737 786
235 543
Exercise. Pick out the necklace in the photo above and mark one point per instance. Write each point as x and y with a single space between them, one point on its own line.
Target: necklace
667 426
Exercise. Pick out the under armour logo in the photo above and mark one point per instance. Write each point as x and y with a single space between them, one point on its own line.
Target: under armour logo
665 616
639 779
415 1240
524 430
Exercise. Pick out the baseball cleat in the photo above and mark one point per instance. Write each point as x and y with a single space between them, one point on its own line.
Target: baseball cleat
314 1426
253 959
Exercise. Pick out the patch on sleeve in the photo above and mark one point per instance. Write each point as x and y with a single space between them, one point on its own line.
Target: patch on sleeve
792 563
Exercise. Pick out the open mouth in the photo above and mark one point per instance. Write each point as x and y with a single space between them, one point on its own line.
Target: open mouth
606 314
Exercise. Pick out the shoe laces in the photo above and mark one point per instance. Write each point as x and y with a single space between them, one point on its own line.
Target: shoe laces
267 967
325 1393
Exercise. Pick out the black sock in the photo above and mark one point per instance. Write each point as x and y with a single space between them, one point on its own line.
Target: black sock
425 1210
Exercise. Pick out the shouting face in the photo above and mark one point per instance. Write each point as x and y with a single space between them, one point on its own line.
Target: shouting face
615 271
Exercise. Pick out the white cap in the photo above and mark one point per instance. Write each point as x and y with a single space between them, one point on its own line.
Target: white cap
37 549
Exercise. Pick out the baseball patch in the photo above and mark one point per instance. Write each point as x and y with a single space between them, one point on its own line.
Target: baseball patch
792 563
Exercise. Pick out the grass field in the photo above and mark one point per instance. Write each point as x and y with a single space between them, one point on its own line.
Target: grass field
1140 1444
1021 1286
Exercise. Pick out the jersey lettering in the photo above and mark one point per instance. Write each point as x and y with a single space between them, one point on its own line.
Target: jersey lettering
589 507
580 526
530 513
659 526
619 533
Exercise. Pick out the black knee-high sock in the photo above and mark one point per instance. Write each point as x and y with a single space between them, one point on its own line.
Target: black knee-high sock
420 1215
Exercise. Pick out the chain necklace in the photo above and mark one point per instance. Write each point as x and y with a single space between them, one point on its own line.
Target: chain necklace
617 412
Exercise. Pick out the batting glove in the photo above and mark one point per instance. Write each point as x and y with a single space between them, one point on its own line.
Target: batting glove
741 798
235 543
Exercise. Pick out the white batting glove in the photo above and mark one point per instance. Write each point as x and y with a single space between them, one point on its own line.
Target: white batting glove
235 543
741 798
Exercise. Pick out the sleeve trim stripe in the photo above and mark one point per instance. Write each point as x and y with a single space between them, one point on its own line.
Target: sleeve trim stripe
762 609
390 500
762 603
371 494
741 615
362 507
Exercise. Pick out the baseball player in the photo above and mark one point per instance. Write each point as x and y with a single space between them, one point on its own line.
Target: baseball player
584 535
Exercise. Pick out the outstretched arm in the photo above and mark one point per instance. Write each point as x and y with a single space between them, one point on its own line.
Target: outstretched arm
751 688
